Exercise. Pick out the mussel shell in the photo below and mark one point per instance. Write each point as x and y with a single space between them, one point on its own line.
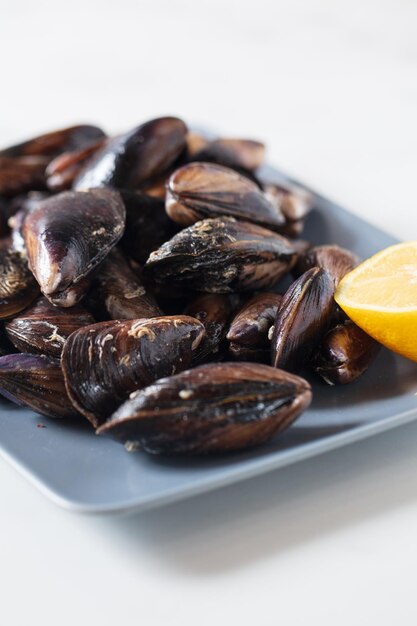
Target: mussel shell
105 362
67 236
72 295
250 327
18 209
18 288
213 311
210 409
21 174
205 190
35 381
335 260
44 328
239 154
147 225
122 292
345 353
62 171
53 143
303 318
222 255
129 160
294 202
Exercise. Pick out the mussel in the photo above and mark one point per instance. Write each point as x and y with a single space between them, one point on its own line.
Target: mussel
44 328
345 353
67 236
54 143
239 154
210 409
62 171
335 260
130 160
221 256
19 207
303 317
248 333
213 311
105 362
18 288
205 190
294 202
21 174
122 292
35 381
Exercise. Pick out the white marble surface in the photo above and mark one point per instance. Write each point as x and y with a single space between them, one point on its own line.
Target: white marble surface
332 87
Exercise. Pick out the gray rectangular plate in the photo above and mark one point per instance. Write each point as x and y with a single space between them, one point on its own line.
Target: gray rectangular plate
83 472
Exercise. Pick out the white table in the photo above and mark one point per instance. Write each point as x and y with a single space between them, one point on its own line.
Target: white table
332 87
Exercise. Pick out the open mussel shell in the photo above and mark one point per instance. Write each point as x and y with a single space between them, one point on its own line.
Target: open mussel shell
53 143
129 160
335 260
222 255
239 154
62 171
67 236
250 326
18 288
44 328
35 381
105 362
122 292
213 311
210 409
147 225
303 317
205 190
21 174
345 353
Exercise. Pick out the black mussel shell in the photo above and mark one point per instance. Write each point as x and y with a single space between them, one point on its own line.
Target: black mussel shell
335 260
303 317
21 174
345 353
35 381
129 160
213 311
44 328
222 255
122 292
250 326
63 170
67 236
239 154
205 190
217 407
18 288
52 144
105 362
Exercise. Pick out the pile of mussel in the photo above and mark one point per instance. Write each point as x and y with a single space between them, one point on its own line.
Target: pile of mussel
138 288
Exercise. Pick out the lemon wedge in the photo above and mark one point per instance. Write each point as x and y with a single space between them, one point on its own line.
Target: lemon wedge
380 296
